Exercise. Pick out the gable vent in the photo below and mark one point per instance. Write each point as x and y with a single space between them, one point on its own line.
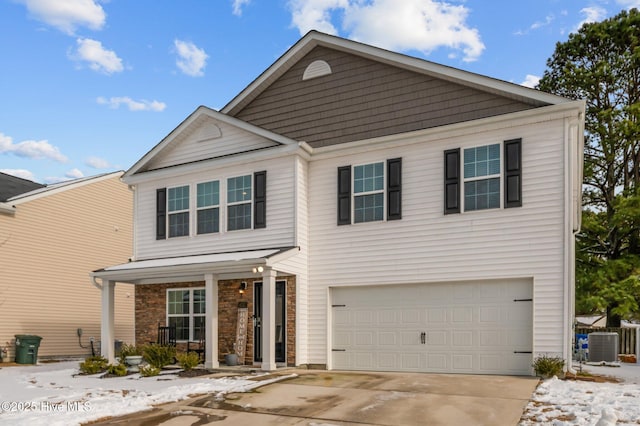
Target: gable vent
316 69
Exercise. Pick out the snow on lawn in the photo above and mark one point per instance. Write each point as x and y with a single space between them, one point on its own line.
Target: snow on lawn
571 402
54 393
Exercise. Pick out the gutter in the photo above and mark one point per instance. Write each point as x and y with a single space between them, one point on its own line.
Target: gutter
7 209
94 282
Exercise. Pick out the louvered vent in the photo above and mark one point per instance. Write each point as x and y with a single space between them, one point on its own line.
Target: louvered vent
316 69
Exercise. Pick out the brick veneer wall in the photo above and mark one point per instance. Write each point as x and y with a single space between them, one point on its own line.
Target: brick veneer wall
151 310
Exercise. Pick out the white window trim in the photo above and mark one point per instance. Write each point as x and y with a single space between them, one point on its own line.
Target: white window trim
188 211
191 315
237 203
477 178
378 191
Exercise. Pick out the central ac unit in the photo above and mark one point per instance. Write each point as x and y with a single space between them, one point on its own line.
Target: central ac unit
603 347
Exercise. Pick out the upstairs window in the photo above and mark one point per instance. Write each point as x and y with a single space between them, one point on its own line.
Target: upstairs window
482 177
178 208
208 207
239 203
368 192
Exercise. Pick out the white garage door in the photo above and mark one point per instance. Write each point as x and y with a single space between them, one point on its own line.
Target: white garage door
476 327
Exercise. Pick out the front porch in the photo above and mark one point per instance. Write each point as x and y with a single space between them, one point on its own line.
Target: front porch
169 291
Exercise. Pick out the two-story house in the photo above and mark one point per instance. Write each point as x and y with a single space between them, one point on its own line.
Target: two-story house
355 208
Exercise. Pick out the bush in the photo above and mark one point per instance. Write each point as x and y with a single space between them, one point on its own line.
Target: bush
94 365
159 355
129 350
149 370
548 366
188 360
117 369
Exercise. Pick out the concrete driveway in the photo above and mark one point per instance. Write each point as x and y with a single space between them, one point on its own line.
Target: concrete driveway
348 398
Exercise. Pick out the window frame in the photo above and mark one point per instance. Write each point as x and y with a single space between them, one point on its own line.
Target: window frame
213 206
191 314
365 193
249 202
500 176
179 212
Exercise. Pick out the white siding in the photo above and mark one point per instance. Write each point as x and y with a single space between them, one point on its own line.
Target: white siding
280 213
428 246
207 138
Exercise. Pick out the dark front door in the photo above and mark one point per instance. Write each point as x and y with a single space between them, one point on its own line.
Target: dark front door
281 329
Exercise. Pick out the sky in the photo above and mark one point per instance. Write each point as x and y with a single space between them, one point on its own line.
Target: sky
90 86
53 394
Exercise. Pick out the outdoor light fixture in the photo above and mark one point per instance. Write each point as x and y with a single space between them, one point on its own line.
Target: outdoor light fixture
243 287
258 269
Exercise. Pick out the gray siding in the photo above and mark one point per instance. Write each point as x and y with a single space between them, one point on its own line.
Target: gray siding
363 99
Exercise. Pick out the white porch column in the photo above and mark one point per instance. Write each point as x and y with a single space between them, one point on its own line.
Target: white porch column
211 321
107 323
269 320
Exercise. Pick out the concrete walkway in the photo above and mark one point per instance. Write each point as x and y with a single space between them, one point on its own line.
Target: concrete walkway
348 398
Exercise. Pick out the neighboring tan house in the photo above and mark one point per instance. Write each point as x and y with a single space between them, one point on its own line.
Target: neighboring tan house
50 237
358 209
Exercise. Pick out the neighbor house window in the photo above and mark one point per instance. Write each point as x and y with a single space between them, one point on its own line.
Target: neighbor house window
178 208
239 203
368 192
208 207
186 311
482 177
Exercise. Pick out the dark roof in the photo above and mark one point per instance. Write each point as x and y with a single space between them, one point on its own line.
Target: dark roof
10 186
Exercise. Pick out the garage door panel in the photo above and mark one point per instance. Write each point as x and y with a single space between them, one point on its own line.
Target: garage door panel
471 327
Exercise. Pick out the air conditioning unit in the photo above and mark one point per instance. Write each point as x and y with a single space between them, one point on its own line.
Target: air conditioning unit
603 347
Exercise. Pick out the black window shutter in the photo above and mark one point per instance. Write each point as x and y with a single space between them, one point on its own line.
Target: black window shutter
394 189
161 213
260 200
452 181
344 195
513 173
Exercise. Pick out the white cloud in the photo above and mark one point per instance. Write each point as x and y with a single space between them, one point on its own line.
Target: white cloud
67 15
530 81
422 25
21 173
97 163
591 14
237 6
539 24
628 4
191 59
36 150
74 174
133 105
99 58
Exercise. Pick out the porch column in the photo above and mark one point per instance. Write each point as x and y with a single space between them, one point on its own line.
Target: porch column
211 321
107 323
268 320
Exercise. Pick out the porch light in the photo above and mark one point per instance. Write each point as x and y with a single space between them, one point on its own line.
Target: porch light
258 269
243 287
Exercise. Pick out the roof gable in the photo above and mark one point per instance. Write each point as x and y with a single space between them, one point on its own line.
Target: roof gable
364 92
206 134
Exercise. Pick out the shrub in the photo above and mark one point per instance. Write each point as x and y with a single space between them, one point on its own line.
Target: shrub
94 365
548 366
147 370
117 369
188 360
129 350
159 355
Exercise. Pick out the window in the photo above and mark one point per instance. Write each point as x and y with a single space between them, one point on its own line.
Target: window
239 203
368 192
482 177
178 207
186 311
208 210
490 175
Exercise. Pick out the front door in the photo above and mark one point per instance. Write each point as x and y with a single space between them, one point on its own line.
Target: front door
281 316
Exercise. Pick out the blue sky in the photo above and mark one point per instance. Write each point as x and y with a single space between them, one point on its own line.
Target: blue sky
89 86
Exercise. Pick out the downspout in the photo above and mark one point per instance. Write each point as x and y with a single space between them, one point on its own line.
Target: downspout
95 283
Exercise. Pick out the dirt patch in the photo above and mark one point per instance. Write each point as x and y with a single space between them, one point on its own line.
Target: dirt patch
586 377
196 372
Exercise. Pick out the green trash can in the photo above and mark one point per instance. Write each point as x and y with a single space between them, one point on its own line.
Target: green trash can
27 348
